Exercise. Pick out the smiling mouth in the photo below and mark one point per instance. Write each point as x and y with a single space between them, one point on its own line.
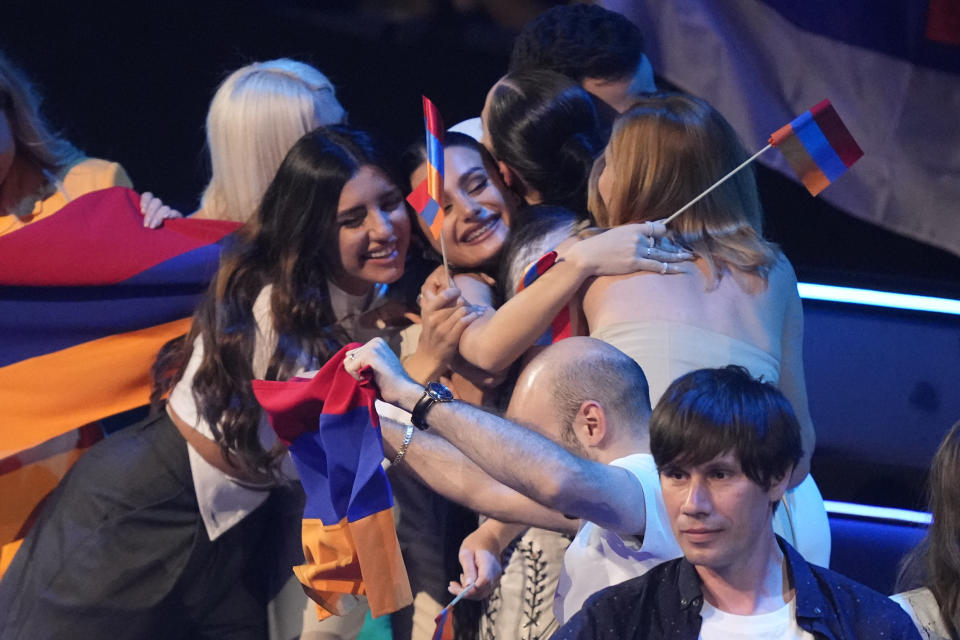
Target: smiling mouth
386 253
480 232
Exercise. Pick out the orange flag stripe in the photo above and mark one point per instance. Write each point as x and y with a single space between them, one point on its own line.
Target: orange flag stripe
47 396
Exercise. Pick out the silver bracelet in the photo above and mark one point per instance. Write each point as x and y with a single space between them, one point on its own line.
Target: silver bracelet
407 437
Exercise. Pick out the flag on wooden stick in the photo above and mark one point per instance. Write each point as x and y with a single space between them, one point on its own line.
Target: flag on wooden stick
817 146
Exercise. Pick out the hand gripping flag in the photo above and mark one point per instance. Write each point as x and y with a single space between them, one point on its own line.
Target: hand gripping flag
560 326
427 197
87 298
817 146
350 544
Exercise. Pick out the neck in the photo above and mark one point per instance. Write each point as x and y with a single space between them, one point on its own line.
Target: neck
625 446
754 585
22 179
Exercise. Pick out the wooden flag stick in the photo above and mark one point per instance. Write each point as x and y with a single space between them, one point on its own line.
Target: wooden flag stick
443 254
716 184
461 595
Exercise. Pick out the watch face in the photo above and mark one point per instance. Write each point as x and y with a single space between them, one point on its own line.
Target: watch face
439 392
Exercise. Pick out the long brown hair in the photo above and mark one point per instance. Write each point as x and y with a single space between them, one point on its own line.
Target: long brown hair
35 140
935 562
291 245
663 152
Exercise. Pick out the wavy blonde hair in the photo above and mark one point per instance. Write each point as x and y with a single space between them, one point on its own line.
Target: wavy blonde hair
34 140
255 117
663 152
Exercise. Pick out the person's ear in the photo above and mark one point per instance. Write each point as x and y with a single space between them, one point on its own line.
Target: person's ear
779 486
591 424
510 178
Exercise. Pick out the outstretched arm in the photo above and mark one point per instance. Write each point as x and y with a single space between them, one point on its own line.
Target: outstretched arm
439 465
515 456
496 339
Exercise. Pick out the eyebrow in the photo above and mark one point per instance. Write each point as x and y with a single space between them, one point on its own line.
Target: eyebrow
469 173
347 213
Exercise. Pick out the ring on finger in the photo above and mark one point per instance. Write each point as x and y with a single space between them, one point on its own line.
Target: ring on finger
352 355
649 251
663 268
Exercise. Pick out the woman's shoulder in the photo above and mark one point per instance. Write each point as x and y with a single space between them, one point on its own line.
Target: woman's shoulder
91 174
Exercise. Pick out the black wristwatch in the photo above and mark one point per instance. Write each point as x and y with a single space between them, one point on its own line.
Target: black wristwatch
433 392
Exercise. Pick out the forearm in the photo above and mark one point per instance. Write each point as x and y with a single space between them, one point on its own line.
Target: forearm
497 339
512 455
423 368
440 466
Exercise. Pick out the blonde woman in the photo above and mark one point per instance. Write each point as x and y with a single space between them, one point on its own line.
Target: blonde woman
256 115
40 171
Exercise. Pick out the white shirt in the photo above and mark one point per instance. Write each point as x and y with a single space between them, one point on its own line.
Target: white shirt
598 558
776 625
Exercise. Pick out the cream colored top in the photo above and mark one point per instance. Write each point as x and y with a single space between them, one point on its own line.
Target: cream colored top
667 350
924 611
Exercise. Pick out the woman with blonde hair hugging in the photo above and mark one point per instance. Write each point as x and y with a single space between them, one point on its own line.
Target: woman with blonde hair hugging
256 115
737 304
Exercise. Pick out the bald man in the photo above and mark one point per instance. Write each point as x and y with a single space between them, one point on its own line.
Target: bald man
573 455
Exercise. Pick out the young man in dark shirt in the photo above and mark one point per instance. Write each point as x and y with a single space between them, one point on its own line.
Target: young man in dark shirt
725 444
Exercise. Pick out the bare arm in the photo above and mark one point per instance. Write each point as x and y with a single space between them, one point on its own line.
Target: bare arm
514 456
792 382
496 339
440 466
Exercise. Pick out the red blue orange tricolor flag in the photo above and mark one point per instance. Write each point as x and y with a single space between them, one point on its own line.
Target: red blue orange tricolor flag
817 146
560 326
427 197
87 297
331 427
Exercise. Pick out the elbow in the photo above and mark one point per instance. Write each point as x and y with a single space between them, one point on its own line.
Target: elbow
561 492
485 359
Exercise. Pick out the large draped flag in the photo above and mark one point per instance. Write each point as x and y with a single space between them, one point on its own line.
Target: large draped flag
350 545
891 68
87 298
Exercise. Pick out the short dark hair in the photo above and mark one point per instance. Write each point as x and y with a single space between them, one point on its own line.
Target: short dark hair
608 376
710 412
545 127
580 41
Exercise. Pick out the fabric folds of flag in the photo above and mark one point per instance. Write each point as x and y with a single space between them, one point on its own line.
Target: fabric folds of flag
350 544
817 146
427 197
87 298
560 326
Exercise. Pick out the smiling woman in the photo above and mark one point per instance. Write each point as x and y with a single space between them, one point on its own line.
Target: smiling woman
209 468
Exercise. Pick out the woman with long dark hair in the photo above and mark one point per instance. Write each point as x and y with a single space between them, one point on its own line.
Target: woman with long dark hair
156 530
931 571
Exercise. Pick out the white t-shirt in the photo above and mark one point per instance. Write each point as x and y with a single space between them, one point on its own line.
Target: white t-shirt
598 558
776 625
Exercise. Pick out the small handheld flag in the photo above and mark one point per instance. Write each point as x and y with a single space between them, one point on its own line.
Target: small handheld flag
816 145
427 197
